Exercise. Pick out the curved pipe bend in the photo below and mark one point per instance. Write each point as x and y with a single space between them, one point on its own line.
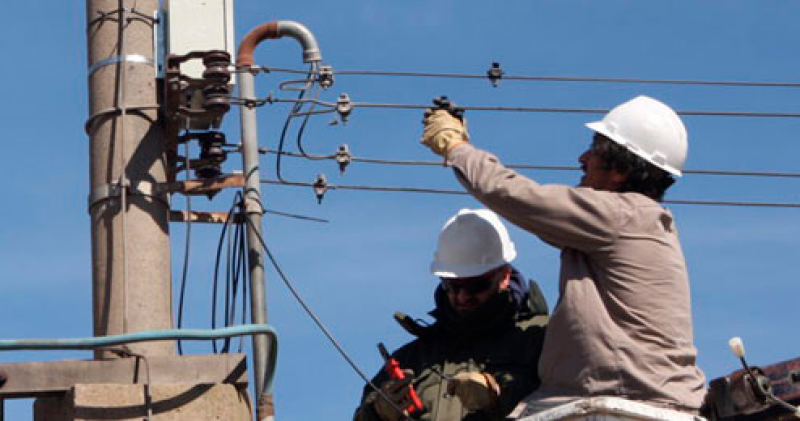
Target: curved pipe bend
278 29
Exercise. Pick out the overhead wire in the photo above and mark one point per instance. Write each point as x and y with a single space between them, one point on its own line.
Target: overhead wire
461 192
537 78
563 110
400 162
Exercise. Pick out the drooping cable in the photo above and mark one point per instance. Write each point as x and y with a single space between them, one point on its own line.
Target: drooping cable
187 249
230 273
245 281
298 105
303 128
215 279
316 319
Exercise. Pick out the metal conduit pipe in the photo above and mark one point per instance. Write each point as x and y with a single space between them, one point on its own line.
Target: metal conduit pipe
278 29
253 204
148 336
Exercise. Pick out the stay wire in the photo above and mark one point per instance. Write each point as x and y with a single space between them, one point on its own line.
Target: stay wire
399 162
535 78
318 322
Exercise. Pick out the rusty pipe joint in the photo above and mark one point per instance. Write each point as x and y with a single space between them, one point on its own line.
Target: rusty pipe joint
274 30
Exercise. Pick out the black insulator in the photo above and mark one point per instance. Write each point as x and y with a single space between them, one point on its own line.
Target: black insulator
217 98
217 58
211 155
217 74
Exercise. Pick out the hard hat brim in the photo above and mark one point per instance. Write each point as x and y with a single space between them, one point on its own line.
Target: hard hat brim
600 127
463 271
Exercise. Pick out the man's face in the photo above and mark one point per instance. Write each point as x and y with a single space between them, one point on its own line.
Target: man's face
467 294
595 174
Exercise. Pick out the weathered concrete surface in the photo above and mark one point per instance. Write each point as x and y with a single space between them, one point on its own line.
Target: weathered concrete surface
166 402
48 378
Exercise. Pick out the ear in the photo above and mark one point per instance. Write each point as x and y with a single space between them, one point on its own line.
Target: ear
618 179
506 280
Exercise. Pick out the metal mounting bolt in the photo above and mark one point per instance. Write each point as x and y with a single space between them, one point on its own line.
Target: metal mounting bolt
495 73
343 157
320 187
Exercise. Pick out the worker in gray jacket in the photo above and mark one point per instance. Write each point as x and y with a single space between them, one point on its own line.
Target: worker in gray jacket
622 326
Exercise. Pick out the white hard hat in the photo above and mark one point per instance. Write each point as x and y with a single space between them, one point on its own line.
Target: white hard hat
648 128
472 243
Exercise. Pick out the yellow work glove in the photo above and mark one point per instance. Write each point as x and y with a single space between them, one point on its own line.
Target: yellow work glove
475 390
443 132
397 391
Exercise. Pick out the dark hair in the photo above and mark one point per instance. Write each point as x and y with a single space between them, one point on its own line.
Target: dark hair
642 176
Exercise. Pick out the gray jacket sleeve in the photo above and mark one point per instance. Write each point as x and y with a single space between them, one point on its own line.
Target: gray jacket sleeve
566 217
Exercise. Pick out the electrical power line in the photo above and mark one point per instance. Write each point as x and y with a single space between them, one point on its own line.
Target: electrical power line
399 162
562 110
533 78
460 192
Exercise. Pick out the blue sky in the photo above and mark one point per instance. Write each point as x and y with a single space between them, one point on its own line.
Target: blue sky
372 258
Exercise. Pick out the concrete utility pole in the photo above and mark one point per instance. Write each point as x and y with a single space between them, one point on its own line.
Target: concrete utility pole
130 221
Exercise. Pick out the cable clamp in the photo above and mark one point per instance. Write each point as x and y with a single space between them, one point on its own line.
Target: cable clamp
130 58
344 107
495 73
343 157
325 76
113 190
320 187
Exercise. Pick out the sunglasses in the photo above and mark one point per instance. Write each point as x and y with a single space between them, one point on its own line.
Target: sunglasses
470 286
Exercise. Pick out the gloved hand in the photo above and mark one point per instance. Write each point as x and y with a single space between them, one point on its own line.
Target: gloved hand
397 391
475 390
443 132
